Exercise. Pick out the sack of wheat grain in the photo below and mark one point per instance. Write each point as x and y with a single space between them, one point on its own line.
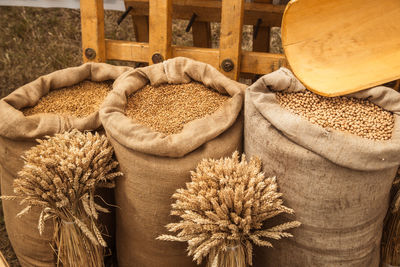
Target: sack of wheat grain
51 104
334 159
162 121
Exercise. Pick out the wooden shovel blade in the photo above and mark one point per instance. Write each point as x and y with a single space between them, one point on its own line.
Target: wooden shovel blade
342 46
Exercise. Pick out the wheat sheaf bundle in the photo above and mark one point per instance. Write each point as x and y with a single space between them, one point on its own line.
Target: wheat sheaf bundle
223 210
60 176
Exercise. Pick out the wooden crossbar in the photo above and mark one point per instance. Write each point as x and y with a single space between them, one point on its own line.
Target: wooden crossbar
228 58
210 11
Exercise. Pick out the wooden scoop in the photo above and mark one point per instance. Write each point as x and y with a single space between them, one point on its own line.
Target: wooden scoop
336 47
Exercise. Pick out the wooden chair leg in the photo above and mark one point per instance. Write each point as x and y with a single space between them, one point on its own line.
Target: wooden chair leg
140 25
397 85
93 38
261 41
141 28
201 34
141 31
230 44
160 35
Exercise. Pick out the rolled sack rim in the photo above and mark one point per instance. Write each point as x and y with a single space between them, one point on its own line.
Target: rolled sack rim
344 149
16 126
138 137
389 265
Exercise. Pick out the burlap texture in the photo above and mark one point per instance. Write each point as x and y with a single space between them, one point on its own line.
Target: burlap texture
18 134
155 165
337 183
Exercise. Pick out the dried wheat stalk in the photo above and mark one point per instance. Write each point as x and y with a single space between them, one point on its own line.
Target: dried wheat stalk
223 210
60 176
390 252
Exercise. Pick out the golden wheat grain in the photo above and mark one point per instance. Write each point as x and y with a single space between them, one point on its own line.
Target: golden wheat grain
168 107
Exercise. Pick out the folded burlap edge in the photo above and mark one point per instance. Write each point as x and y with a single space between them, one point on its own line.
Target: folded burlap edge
138 137
14 125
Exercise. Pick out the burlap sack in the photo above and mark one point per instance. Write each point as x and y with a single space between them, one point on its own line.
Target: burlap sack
155 165
337 183
18 134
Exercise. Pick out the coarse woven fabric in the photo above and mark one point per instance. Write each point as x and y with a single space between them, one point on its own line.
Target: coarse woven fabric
156 165
337 183
18 134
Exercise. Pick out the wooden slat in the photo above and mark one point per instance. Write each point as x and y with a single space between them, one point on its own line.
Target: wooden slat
231 35
92 22
262 7
160 22
262 63
210 11
138 52
252 62
207 55
217 4
201 34
128 51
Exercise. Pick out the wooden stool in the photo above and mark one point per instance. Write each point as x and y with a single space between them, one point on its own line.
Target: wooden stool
228 58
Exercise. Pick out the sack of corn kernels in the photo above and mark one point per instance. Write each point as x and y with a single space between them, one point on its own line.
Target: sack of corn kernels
334 159
51 104
162 121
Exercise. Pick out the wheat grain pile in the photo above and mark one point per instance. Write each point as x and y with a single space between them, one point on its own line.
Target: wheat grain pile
60 176
224 208
79 100
347 114
168 107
